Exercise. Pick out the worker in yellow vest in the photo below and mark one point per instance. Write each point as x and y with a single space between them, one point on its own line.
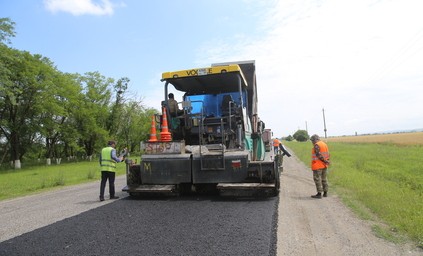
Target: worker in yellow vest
108 160
319 164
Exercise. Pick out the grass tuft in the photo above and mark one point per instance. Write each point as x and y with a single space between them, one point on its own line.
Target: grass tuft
59 180
385 233
91 174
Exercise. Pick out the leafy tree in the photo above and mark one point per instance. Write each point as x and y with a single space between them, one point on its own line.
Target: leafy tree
7 56
23 98
91 119
301 135
7 30
137 124
46 112
72 105
289 138
63 95
114 122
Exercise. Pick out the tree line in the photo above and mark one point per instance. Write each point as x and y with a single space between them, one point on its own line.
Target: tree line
46 113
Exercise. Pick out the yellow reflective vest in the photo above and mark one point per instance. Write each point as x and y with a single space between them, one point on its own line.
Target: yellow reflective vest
107 163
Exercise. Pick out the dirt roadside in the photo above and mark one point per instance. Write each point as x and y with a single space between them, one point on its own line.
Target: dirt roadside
325 226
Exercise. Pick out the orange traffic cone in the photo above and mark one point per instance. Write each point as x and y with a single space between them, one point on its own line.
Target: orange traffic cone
165 134
153 136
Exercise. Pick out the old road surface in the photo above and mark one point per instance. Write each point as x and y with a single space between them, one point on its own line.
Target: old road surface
71 221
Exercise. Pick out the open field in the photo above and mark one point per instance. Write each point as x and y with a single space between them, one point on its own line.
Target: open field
414 138
379 181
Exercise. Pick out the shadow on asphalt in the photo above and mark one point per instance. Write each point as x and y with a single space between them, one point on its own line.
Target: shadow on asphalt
197 197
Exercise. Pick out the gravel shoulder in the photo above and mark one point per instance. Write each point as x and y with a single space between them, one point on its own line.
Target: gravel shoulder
308 226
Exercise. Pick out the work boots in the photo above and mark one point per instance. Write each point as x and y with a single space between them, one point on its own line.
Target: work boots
318 195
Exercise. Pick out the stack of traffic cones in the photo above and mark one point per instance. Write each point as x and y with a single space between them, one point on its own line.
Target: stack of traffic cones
165 134
153 136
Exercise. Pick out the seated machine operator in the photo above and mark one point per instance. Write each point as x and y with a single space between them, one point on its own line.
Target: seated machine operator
173 106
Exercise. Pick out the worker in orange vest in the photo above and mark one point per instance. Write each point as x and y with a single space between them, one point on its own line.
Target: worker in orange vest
319 164
276 144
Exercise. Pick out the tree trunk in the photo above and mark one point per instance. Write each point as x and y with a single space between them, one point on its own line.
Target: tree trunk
5 153
14 149
17 164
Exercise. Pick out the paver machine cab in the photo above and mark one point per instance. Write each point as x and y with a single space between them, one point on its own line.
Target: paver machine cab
217 141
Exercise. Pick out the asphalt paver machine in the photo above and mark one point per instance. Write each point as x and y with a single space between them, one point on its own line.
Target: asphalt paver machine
216 142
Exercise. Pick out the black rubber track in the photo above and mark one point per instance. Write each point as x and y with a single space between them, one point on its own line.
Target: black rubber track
188 225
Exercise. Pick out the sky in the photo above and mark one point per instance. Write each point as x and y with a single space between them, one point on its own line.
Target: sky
358 62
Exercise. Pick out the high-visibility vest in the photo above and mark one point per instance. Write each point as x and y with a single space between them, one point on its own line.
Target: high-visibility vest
107 163
276 143
316 163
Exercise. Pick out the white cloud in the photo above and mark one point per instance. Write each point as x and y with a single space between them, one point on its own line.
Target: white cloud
80 7
360 60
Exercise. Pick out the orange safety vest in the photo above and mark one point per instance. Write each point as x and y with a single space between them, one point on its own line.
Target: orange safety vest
276 143
316 163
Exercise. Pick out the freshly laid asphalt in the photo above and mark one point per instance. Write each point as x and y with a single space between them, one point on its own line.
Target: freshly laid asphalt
186 225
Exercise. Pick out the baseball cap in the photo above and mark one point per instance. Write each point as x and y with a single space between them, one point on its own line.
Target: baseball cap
314 137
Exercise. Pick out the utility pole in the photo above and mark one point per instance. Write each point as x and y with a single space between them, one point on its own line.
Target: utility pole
306 127
324 123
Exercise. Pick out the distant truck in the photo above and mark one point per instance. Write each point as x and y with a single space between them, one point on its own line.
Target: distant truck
218 142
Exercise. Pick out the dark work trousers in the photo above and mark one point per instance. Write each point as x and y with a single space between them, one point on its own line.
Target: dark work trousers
321 180
104 176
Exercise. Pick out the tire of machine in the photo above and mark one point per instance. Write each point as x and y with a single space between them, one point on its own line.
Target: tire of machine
134 178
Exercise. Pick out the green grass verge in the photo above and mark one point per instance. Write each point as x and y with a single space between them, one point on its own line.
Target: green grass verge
29 180
380 182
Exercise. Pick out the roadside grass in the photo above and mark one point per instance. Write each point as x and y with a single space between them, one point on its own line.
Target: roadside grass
380 182
30 180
